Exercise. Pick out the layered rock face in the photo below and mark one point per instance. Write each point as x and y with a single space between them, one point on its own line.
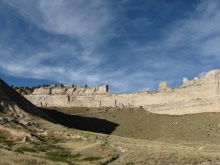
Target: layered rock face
194 96
68 90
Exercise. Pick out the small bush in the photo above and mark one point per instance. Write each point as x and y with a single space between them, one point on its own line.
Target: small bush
41 148
59 153
4 134
6 142
25 149
92 158
76 155
61 156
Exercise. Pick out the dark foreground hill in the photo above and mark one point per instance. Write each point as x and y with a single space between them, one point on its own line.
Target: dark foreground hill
13 103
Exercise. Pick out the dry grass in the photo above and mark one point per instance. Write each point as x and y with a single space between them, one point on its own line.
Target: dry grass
14 158
153 152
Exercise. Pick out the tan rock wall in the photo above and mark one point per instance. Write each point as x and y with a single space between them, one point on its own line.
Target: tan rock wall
67 90
42 91
58 91
194 96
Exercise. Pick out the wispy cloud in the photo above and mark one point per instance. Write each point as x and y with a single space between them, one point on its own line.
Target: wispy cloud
34 66
200 31
188 44
87 21
84 23
118 43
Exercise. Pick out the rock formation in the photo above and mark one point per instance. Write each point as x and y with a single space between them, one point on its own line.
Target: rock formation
68 90
194 96
163 86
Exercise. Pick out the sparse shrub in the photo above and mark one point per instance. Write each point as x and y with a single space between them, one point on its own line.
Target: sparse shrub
4 139
61 156
25 149
7 142
41 148
92 158
46 85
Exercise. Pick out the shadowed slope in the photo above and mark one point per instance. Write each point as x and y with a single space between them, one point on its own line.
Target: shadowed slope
11 97
82 123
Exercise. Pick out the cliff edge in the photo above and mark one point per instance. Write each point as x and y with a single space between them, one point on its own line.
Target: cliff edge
194 96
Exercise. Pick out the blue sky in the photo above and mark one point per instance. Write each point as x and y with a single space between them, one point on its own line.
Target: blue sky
131 45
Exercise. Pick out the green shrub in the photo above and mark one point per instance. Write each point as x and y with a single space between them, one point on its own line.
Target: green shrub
25 149
92 158
61 156
41 148
6 142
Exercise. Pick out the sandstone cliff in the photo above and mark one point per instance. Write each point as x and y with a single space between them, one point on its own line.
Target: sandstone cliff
194 96
68 90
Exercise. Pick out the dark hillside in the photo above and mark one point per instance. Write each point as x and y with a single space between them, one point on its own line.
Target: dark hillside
8 94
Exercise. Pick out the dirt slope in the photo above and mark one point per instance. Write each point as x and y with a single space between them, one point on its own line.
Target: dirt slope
146 138
140 124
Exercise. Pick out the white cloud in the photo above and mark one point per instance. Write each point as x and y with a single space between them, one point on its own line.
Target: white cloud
85 23
35 66
186 48
195 37
84 20
89 24
199 31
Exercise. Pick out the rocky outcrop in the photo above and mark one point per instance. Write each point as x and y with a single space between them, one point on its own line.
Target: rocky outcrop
58 91
68 90
194 96
163 86
42 91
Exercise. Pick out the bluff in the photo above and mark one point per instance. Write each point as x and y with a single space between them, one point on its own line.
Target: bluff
193 96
